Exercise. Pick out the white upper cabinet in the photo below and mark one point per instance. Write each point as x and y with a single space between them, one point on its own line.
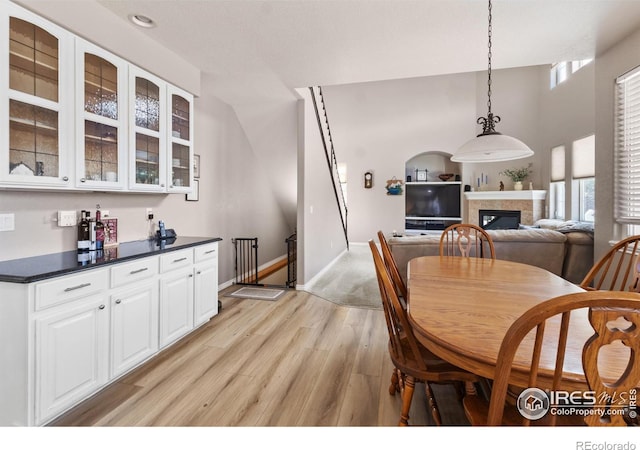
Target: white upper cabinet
148 132
180 148
101 118
36 117
78 117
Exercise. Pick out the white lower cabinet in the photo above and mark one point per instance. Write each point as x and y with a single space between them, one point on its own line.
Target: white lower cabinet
176 305
69 336
72 351
205 282
134 326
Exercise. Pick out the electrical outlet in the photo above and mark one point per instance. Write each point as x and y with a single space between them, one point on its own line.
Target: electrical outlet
67 218
149 214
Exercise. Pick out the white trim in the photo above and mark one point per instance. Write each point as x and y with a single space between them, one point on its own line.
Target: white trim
507 195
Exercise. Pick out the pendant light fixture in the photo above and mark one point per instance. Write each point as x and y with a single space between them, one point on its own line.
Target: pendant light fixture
490 145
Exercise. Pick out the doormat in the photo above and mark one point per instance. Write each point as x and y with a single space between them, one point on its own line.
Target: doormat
258 293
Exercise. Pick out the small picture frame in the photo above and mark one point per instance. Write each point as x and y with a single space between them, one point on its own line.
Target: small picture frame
196 166
194 195
421 175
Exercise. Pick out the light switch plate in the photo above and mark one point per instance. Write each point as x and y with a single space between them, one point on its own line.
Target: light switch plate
7 222
67 218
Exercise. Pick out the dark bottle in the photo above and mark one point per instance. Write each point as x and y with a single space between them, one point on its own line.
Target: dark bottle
162 230
84 240
99 232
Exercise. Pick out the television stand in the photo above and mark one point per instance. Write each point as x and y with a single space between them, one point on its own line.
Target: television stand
413 224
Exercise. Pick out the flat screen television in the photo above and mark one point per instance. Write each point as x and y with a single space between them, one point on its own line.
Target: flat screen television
433 200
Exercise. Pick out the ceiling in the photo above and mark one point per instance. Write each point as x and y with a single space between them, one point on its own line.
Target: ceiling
262 49
253 45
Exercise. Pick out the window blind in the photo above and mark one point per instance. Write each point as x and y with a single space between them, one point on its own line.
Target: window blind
584 158
557 163
627 148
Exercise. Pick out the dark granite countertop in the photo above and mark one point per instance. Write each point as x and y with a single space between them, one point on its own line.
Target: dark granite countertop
36 268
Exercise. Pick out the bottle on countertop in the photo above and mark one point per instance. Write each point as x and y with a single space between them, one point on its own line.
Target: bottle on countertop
99 226
162 230
84 238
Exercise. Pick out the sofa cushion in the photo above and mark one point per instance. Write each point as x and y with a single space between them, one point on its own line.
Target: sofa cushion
405 248
536 246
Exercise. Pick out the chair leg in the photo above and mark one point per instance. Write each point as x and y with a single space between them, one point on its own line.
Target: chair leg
407 397
435 413
395 382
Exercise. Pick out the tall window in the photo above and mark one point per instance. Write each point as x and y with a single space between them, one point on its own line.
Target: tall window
562 71
583 174
627 149
556 188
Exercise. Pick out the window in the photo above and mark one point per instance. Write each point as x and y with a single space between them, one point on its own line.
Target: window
627 149
583 175
342 177
561 71
556 188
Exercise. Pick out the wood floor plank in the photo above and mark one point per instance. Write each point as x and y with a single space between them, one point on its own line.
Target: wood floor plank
325 401
300 360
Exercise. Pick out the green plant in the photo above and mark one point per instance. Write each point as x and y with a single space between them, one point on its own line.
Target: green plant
517 174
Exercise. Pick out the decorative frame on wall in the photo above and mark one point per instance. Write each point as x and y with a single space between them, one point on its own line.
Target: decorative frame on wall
194 195
196 166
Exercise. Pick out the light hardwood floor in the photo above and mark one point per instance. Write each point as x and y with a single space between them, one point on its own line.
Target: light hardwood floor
298 361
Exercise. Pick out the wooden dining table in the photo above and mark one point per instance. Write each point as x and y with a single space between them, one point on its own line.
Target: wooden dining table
460 309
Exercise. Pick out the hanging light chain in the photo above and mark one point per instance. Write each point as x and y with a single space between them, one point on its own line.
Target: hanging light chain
489 57
489 123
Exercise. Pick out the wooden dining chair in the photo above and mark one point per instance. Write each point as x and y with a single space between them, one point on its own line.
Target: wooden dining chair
392 267
466 239
412 360
618 269
615 319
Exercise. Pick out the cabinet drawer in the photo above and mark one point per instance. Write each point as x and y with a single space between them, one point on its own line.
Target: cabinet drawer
64 289
176 260
208 251
133 271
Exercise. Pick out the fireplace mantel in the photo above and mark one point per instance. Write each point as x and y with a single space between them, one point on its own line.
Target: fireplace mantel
506 195
530 203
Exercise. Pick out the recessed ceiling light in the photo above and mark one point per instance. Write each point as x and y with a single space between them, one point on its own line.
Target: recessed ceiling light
142 21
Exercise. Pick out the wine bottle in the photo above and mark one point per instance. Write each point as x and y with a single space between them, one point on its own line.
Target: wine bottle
99 231
84 240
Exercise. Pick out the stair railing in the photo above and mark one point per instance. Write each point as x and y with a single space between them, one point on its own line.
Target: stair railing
329 150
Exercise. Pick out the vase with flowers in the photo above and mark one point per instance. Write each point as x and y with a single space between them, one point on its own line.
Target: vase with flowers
517 175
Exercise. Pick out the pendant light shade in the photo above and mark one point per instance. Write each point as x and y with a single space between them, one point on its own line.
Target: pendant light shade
491 146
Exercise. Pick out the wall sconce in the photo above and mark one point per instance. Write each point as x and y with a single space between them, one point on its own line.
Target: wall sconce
368 180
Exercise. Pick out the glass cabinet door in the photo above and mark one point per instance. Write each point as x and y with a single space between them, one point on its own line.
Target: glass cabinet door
180 141
147 115
101 118
36 117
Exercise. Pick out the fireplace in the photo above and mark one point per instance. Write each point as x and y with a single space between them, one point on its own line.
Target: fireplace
499 219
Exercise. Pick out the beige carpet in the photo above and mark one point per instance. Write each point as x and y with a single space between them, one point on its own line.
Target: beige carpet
350 280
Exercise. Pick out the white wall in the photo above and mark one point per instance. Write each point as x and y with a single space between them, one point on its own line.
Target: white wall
379 126
610 65
568 114
320 235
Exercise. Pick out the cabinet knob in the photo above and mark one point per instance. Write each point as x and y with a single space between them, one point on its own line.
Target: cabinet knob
82 180
162 185
190 275
65 178
118 301
101 307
